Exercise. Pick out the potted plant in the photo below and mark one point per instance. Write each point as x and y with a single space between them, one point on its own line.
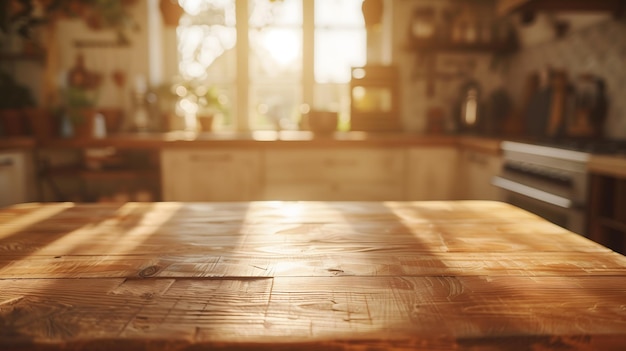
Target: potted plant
195 98
79 95
210 103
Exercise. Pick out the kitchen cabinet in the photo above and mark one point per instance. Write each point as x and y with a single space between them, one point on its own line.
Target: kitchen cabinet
432 173
210 175
68 172
16 177
607 212
336 174
477 168
395 167
607 207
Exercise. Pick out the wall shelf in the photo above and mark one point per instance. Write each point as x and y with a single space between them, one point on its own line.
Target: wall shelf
443 47
506 7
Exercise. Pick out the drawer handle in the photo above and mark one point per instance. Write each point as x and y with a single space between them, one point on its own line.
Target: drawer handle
532 193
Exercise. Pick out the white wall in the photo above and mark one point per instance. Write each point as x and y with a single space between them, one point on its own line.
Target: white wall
132 59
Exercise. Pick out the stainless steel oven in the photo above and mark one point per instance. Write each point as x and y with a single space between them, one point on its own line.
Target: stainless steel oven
548 181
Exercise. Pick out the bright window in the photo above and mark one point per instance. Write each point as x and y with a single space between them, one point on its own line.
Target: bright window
267 87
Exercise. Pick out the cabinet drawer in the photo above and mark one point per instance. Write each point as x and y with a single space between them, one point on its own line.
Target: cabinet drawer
362 174
206 175
433 173
13 178
334 165
479 169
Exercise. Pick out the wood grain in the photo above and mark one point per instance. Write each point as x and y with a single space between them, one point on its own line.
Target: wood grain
466 275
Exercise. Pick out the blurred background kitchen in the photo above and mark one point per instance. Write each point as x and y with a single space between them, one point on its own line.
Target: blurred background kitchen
262 64
229 100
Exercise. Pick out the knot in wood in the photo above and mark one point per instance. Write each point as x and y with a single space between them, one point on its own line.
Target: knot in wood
148 271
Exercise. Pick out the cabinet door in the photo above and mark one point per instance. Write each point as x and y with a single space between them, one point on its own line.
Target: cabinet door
207 175
477 171
344 174
607 210
13 178
433 173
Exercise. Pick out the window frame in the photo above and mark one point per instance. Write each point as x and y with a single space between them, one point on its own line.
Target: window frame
241 112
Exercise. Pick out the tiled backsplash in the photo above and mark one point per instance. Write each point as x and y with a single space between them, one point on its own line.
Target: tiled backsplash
598 49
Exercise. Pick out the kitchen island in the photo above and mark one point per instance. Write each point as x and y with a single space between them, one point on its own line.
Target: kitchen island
462 275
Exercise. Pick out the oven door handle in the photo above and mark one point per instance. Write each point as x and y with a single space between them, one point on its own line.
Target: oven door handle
532 193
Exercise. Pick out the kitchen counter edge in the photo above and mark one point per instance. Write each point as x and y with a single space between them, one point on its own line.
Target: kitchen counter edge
269 139
614 166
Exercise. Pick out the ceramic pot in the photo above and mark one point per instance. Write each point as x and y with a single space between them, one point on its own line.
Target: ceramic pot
205 123
323 122
113 118
82 123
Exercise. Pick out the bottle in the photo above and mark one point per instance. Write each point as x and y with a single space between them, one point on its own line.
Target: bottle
99 126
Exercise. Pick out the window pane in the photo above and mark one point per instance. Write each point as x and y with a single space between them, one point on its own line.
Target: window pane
336 52
340 44
206 48
275 65
275 106
334 97
275 13
202 46
276 53
339 13
210 11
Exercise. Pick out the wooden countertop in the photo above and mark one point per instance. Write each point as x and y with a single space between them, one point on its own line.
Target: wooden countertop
614 166
284 139
481 144
17 143
254 139
468 275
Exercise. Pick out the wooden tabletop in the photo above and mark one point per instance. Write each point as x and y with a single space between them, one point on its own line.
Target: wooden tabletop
469 275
